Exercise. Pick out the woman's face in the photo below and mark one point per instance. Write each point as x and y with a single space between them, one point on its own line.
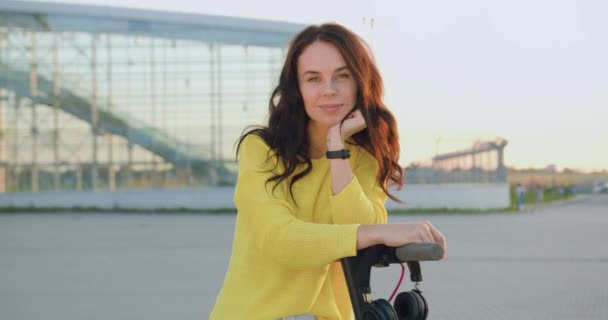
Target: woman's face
326 83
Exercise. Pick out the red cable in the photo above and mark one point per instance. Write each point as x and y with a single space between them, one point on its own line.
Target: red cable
398 284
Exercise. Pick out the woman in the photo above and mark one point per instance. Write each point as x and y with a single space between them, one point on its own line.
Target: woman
313 183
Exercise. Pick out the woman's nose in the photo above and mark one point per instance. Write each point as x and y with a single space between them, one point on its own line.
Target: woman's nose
330 88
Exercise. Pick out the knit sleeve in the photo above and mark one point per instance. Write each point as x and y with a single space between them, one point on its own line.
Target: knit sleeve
268 220
362 200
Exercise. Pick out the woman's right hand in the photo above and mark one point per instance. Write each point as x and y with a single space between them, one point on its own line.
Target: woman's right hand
399 234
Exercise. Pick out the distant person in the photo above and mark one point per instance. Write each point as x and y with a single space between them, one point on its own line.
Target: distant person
539 192
312 184
520 192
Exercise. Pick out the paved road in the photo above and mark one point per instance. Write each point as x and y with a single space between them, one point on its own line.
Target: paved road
548 264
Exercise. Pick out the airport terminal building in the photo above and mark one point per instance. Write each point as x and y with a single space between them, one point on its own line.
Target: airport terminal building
114 107
104 98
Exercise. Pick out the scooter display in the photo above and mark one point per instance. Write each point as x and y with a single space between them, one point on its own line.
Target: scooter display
408 305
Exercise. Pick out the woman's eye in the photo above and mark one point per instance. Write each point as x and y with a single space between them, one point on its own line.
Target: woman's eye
343 76
313 79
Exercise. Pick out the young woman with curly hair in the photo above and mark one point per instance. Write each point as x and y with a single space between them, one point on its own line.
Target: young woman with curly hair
313 183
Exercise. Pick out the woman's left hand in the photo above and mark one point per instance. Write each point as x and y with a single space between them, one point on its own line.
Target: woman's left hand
353 124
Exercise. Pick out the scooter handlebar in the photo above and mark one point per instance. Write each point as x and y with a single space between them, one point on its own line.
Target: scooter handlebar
357 269
419 252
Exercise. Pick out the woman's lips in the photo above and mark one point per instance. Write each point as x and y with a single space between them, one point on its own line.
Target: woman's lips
330 107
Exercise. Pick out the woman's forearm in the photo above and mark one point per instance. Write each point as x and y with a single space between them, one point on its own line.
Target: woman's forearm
340 171
368 235
399 234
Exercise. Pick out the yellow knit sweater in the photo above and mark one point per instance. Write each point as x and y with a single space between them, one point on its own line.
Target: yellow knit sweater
285 257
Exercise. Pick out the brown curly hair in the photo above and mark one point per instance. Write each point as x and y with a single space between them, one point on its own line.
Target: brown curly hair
286 132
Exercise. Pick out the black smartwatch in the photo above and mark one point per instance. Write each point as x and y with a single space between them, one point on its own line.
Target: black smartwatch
338 154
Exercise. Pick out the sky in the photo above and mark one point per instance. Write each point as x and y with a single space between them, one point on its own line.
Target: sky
533 72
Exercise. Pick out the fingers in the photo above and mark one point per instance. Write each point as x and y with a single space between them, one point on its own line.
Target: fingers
356 113
437 237
354 123
355 116
401 234
359 119
425 234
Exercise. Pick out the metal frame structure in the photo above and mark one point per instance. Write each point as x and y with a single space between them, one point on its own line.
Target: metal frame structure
482 163
107 98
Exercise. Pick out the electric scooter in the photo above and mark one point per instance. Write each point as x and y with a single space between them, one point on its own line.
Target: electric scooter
409 305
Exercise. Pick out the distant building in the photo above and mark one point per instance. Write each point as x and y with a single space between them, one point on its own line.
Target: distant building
482 163
551 168
108 98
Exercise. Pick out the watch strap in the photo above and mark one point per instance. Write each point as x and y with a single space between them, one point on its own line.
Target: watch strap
338 154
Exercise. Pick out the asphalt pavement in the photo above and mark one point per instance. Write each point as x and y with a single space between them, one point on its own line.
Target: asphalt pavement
549 263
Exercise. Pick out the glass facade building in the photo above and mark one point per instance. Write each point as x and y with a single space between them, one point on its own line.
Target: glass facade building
99 98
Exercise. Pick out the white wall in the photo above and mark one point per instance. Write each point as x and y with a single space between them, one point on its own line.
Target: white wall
453 196
199 198
462 196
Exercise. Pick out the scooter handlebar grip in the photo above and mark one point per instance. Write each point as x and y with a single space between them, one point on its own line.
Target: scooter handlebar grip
419 252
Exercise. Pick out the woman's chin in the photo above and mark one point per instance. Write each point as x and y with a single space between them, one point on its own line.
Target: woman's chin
326 124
